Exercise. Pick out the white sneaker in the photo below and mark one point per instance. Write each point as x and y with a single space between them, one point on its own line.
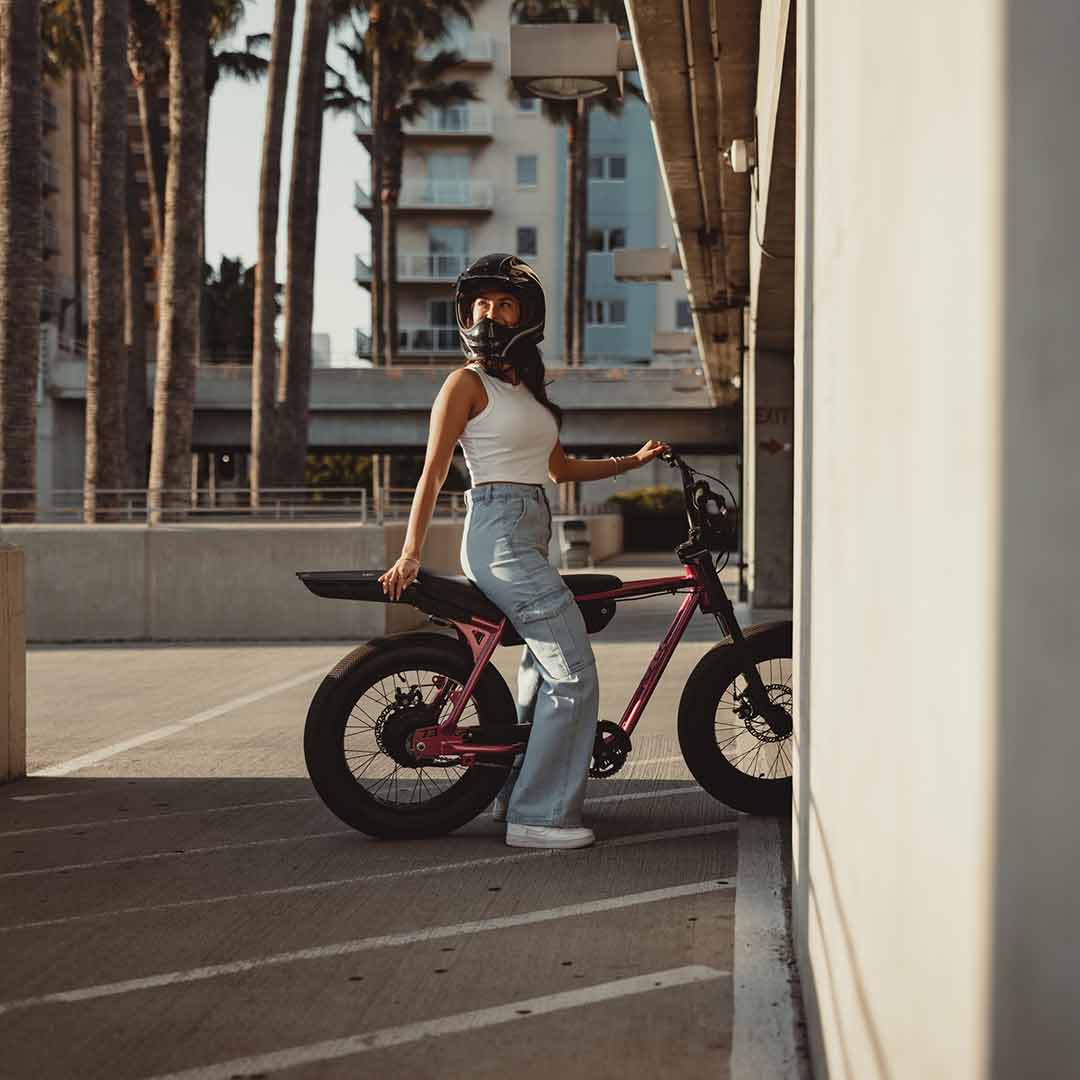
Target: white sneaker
544 836
498 809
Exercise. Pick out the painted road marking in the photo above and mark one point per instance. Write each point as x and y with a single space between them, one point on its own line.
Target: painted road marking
390 875
100 822
95 757
213 849
358 945
526 1009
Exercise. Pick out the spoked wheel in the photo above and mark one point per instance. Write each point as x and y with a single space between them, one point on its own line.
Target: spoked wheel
359 729
728 747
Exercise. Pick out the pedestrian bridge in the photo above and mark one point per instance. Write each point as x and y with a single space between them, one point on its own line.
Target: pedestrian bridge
388 409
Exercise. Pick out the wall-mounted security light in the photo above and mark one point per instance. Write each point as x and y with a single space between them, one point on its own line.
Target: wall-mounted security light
741 155
569 61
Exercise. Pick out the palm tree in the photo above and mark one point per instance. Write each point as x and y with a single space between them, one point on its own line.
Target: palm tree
413 85
149 64
20 250
181 270
294 375
106 356
136 328
264 353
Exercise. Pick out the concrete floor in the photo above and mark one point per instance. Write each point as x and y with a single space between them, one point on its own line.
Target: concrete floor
182 901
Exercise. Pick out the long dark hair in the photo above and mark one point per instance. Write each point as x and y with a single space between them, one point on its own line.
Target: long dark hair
530 368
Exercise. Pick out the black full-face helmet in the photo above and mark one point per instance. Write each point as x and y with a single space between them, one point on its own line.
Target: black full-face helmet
490 341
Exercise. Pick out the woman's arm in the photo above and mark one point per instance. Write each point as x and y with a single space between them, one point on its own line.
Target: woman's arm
561 467
449 415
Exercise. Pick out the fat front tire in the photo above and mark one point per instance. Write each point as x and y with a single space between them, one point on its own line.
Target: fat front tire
732 752
359 720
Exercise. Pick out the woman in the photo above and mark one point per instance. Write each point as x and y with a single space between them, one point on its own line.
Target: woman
497 407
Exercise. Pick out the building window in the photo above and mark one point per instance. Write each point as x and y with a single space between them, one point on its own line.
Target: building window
526 170
607 167
526 240
605 312
682 315
606 239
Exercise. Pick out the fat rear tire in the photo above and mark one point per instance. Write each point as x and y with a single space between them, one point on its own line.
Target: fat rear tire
709 690
329 713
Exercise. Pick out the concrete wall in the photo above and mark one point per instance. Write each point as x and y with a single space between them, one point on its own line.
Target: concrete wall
937 508
12 666
898 385
220 583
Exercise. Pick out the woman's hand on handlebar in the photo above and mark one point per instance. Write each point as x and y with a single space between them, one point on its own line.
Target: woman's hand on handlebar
400 576
651 449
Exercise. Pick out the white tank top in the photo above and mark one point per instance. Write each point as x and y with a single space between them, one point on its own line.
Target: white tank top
512 438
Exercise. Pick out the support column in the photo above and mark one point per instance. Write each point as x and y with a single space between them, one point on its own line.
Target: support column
768 477
12 666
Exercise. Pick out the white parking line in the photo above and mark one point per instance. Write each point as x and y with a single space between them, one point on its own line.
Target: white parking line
124 860
95 757
526 1009
358 945
390 875
99 822
155 856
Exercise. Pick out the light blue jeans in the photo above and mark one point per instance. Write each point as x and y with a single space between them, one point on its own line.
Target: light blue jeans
504 551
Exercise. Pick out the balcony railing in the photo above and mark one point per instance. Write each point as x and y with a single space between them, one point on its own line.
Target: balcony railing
455 120
50 117
361 343
50 176
428 339
419 268
419 194
474 46
50 238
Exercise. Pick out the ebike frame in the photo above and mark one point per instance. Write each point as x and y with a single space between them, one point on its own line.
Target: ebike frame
702 586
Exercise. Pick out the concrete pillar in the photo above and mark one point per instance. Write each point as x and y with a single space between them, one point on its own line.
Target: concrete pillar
768 477
12 666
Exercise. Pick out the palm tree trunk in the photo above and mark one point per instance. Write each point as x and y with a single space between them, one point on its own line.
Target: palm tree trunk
106 356
392 181
378 139
569 259
135 330
181 273
264 356
294 380
20 252
148 64
581 224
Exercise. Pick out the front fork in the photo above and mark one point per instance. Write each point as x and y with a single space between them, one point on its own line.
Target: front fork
776 716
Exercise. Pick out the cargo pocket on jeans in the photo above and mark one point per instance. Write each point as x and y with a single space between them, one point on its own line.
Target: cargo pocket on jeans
553 627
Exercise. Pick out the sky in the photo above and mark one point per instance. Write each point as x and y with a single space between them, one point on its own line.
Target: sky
234 158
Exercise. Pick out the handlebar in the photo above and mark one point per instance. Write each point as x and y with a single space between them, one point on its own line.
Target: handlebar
699 495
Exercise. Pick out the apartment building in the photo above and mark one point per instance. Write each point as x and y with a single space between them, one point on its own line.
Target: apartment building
491 175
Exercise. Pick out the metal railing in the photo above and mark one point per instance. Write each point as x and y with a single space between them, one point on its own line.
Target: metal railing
50 117
426 194
433 267
471 120
50 176
428 339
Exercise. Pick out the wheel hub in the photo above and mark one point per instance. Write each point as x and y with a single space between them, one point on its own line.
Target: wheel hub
395 728
757 725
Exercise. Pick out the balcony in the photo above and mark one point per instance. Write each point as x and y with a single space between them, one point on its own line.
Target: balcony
436 196
50 117
418 269
50 238
50 304
477 49
416 340
50 177
452 123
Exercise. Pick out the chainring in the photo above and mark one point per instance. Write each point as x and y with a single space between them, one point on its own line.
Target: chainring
611 748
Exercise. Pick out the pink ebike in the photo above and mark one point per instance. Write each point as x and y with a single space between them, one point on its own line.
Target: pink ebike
412 734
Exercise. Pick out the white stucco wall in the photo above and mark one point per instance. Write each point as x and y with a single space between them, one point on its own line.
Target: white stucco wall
900 298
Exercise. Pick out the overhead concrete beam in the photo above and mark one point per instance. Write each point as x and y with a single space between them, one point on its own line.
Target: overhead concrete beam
697 61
